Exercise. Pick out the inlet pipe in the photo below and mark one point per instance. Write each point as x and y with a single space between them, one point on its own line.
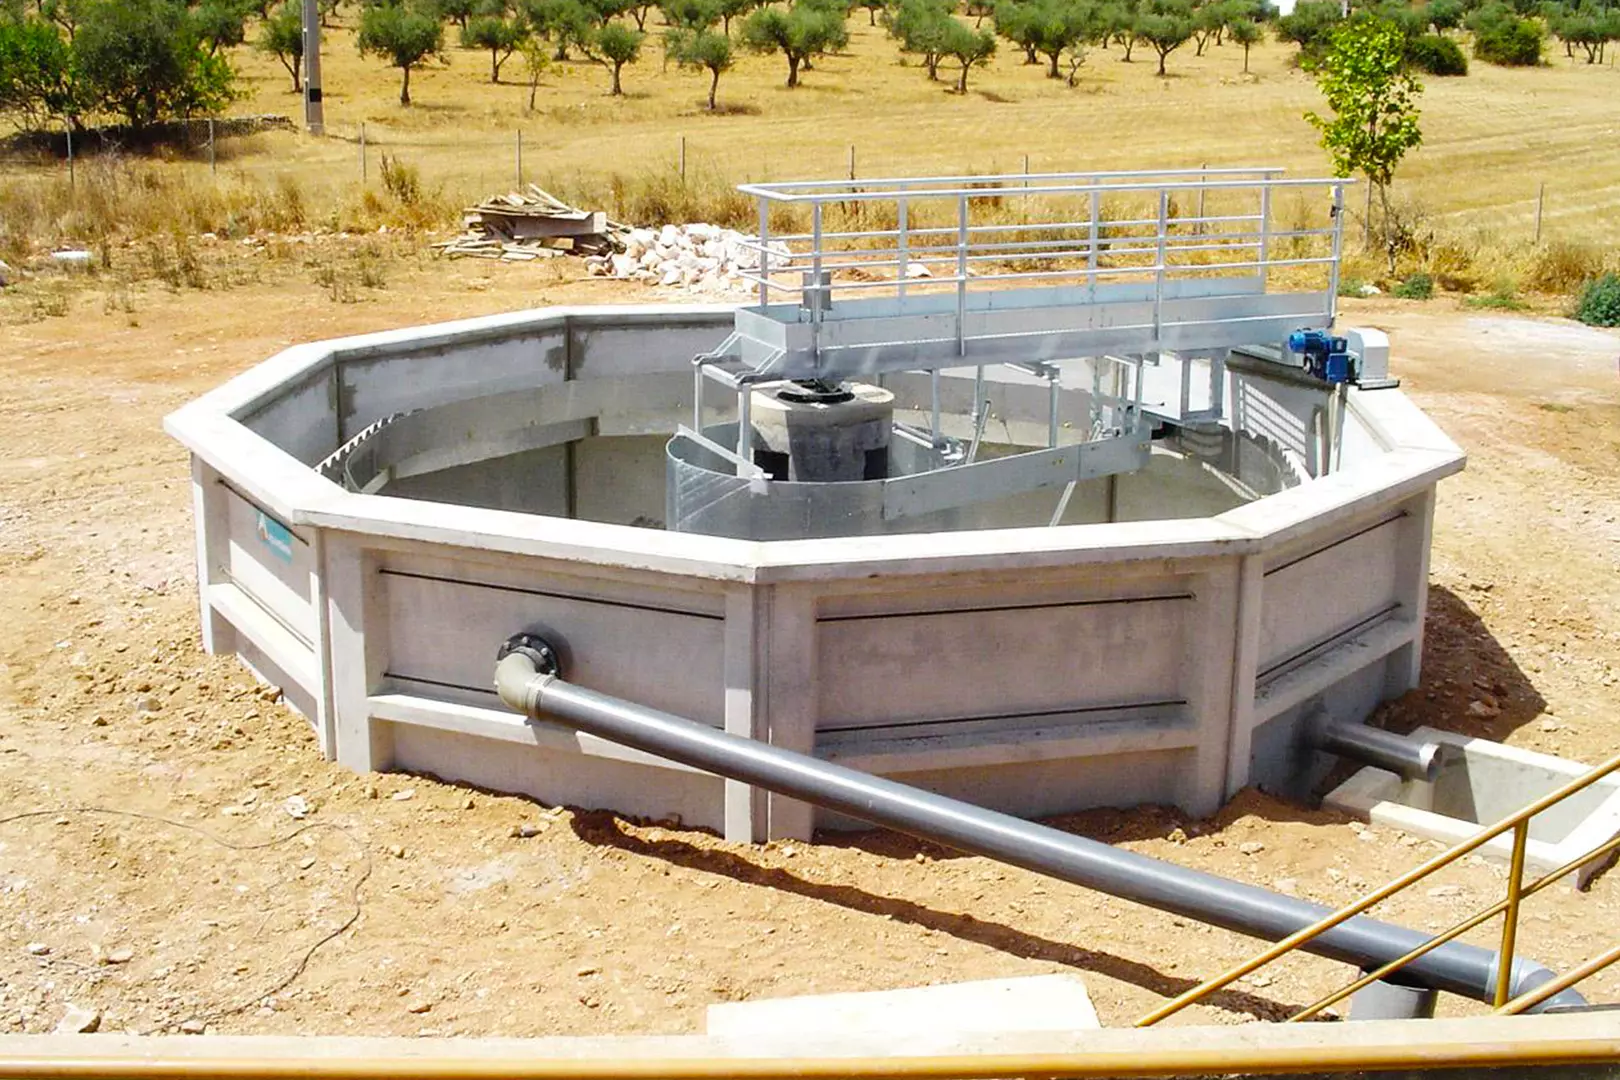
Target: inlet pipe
1381 749
528 679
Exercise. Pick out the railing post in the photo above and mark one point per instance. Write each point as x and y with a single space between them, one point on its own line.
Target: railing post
815 275
1091 247
961 273
764 251
1158 270
697 396
745 424
1338 251
901 242
1265 228
1510 915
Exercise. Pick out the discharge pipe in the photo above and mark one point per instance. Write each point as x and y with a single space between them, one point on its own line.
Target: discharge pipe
1381 749
528 679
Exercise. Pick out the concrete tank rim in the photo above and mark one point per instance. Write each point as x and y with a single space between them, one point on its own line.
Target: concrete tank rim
1416 455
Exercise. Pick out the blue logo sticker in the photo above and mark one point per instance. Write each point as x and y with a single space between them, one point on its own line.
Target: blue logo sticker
275 536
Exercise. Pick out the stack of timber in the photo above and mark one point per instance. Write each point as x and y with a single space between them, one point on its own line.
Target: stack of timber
520 227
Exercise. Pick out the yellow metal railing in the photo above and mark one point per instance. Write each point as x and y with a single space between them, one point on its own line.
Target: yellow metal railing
1517 822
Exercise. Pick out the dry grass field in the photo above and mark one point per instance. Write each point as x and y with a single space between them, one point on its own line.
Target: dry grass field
1491 139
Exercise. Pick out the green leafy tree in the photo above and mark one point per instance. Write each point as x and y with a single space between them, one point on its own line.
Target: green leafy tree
1373 96
36 74
690 14
282 36
733 9
921 27
873 9
404 34
146 61
221 24
1444 15
1504 37
1310 26
567 24
969 48
639 10
614 46
501 35
705 49
536 59
798 33
1245 32
1015 21
1166 25
1057 27
459 12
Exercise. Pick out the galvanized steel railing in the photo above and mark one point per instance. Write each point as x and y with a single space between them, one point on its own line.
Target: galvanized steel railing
962 231
1519 824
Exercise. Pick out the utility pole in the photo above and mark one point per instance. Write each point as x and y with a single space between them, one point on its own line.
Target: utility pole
314 111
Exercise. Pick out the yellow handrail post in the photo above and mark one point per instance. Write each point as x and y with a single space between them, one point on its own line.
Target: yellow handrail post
1510 915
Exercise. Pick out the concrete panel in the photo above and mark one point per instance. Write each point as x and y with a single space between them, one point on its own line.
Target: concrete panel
1048 788
561 778
984 659
1172 486
1281 760
377 385
533 482
271 564
620 480
1309 599
301 419
603 348
444 627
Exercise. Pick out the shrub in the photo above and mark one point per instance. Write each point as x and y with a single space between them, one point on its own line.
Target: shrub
1418 286
1599 303
1504 296
1509 40
1563 266
1436 55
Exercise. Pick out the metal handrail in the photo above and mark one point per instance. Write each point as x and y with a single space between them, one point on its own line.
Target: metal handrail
1519 822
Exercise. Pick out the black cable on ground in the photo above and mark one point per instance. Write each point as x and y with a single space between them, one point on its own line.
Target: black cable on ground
314 826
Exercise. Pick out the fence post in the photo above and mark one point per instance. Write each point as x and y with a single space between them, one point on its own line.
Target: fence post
852 161
362 152
1203 178
1541 201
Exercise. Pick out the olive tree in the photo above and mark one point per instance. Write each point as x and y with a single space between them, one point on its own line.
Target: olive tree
282 36
705 49
1373 96
921 27
147 61
970 48
1244 32
798 33
1166 25
614 46
404 34
500 34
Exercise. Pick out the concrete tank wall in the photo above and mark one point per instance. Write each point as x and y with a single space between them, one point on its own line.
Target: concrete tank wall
1038 670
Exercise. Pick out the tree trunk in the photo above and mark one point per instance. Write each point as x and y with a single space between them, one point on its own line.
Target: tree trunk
1052 73
961 83
617 91
1245 59
534 85
714 84
793 71
405 86
1389 241
933 66
494 67
1130 44
1162 55
1030 56
871 16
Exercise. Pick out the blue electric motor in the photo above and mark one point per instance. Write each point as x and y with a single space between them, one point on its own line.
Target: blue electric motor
1325 357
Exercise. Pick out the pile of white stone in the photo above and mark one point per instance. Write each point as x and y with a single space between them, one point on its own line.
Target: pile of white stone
701 257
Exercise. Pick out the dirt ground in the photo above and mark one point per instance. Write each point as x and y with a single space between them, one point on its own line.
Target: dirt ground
150 869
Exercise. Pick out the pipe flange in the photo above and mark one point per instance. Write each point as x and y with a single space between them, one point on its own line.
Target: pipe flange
537 649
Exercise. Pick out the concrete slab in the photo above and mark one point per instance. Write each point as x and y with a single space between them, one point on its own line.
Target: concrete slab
1481 782
1030 1003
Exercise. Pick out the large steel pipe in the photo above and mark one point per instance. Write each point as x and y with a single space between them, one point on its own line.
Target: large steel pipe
527 679
1381 749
